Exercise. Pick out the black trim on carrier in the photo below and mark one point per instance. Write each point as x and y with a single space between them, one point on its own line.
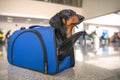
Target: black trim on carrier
42 43
56 53
72 58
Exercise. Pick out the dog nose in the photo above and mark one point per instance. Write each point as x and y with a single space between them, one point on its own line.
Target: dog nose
81 18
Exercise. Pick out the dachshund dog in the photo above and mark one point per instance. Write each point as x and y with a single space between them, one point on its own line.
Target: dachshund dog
64 22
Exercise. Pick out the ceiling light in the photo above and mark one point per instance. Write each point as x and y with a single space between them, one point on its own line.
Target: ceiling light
29 20
118 13
9 19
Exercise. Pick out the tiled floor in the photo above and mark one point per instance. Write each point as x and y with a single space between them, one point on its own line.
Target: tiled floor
91 64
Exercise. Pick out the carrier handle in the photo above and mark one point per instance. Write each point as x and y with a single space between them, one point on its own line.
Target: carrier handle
22 28
34 26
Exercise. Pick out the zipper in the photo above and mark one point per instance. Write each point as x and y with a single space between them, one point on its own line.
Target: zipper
42 43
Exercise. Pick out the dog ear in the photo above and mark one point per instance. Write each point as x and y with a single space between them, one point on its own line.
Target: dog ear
56 21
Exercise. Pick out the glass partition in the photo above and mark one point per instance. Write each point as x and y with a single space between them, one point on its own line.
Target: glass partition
76 3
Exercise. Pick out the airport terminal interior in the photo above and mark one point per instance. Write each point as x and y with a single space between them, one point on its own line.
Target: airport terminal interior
96 53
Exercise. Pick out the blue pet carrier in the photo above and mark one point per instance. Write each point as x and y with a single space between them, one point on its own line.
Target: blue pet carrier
35 48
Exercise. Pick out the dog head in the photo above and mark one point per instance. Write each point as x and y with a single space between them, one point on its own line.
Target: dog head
66 19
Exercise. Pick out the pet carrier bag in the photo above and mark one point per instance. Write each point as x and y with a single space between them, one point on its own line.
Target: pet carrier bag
35 48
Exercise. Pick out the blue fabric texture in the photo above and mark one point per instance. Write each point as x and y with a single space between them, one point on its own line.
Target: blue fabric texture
25 49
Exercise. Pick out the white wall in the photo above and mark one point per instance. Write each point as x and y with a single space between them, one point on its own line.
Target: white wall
99 30
32 8
90 8
95 8
5 26
15 26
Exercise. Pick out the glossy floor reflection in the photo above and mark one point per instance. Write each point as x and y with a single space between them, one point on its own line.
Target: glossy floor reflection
102 63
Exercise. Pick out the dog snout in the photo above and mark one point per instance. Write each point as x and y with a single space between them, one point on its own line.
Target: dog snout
81 18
